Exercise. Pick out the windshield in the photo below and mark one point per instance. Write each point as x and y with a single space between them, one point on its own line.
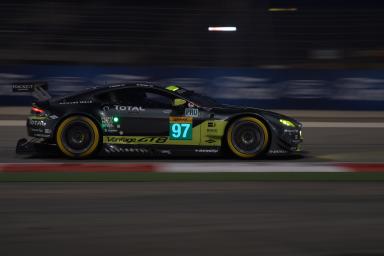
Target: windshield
198 99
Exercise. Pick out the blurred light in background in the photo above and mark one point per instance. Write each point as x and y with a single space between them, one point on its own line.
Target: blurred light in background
225 29
282 9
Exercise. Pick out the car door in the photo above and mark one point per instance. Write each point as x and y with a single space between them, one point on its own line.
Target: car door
150 112
162 116
186 122
137 112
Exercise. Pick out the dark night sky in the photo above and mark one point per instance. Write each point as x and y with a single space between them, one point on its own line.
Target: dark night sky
175 32
302 4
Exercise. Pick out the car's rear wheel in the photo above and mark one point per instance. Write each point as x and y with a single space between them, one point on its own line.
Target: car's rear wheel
247 137
78 137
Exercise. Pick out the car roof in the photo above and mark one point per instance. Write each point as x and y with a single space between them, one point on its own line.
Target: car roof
93 91
112 87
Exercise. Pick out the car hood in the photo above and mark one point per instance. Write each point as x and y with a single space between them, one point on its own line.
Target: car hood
232 109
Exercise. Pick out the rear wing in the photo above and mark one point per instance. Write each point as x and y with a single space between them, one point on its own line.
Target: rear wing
37 89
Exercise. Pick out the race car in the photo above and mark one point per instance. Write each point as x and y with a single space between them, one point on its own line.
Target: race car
147 119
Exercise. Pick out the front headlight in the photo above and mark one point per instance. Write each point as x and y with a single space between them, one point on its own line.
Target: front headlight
287 123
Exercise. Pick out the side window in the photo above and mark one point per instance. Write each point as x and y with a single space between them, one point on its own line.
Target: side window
157 100
149 98
123 96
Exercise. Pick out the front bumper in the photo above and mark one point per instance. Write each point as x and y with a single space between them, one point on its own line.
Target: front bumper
288 141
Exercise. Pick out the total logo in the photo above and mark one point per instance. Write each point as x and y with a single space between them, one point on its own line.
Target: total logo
124 108
37 122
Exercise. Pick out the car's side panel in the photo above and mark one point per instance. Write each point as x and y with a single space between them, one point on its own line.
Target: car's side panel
212 132
136 120
208 133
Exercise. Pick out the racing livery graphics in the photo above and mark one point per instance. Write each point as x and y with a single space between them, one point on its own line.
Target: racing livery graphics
128 119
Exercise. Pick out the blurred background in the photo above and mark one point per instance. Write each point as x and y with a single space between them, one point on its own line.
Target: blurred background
284 54
320 61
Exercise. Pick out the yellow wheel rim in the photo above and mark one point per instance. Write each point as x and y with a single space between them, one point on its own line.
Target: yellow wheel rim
238 152
95 140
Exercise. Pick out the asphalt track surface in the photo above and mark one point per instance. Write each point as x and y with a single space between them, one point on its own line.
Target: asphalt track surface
214 218
200 218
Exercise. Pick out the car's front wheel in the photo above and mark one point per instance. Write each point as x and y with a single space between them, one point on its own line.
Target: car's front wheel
78 137
247 137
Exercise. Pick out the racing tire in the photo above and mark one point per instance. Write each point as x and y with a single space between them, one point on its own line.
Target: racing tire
247 137
78 137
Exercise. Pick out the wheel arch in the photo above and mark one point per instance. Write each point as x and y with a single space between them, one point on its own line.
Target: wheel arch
90 116
233 118
93 119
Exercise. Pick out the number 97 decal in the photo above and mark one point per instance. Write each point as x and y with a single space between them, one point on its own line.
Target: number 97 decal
180 131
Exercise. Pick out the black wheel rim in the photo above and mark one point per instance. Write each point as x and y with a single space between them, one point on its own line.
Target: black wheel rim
247 137
78 136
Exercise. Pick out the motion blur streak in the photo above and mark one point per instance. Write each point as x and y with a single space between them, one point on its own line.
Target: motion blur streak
345 125
198 218
282 9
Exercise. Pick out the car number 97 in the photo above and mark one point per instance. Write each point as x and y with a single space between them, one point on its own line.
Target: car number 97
181 131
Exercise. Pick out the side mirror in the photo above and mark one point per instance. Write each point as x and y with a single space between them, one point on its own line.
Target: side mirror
178 102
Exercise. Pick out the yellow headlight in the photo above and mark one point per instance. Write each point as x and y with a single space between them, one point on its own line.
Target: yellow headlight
287 123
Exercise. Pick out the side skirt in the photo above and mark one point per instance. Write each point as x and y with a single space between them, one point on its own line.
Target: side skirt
158 150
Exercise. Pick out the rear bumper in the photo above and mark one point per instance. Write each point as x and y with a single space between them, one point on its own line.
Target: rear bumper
35 146
40 126
23 147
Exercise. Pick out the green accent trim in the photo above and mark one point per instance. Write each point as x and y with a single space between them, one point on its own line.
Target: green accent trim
37 117
172 88
179 102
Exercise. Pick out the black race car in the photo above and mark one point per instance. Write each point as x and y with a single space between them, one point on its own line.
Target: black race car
145 119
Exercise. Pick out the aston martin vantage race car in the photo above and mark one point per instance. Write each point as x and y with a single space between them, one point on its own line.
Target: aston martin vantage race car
145 119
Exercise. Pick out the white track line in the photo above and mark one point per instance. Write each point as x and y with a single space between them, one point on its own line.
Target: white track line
305 124
13 122
342 125
208 167
250 167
